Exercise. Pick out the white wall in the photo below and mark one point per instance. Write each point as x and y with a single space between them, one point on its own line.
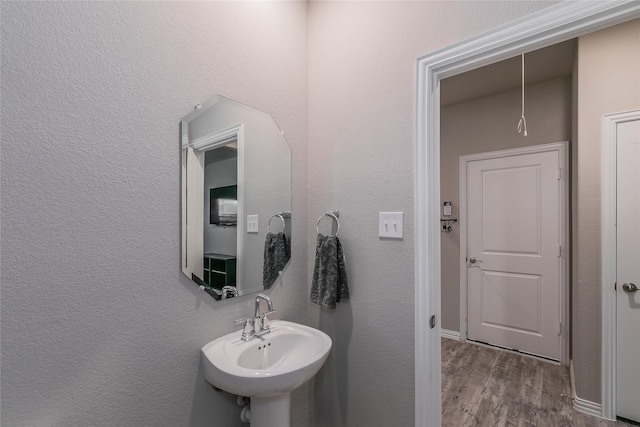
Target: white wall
361 130
490 124
99 325
608 70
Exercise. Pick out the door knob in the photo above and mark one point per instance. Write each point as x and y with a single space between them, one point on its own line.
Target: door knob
473 260
629 287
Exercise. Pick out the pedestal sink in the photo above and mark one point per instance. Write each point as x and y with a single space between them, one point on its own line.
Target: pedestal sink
267 368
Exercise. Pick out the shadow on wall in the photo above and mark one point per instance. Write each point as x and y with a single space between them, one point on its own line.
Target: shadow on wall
211 407
330 385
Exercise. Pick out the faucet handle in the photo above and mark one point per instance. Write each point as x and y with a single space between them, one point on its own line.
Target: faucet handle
244 319
264 322
248 329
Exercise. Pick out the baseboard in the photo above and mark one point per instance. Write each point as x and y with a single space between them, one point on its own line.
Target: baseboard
452 335
588 407
582 405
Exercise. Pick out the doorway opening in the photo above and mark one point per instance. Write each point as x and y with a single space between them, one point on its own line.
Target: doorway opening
552 25
479 112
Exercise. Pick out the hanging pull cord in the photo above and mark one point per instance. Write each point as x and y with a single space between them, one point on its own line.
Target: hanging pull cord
522 124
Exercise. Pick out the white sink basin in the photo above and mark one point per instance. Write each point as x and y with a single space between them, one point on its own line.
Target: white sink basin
270 365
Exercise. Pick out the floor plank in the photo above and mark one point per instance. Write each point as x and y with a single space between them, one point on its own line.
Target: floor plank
485 386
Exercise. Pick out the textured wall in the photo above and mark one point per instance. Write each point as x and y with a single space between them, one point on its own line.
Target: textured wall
608 70
361 130
99 326
490 124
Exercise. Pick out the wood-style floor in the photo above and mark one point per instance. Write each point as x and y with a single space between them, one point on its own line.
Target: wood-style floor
483 386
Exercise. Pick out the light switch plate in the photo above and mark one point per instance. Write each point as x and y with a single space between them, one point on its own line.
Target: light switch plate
391 225
252 223
446 211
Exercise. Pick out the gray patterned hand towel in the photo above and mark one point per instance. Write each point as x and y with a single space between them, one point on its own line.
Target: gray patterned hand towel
329 275
276 256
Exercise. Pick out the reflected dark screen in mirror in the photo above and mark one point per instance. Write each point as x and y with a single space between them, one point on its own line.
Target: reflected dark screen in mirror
223 205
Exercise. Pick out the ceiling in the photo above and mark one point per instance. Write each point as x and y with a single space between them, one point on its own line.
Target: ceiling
540 65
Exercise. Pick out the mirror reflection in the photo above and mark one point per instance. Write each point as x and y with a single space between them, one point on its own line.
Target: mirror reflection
236 199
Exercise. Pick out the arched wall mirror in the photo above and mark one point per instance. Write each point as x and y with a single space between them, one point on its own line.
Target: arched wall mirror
236 198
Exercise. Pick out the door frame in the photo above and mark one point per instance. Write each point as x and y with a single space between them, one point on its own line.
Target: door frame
549 26
562 148
609 260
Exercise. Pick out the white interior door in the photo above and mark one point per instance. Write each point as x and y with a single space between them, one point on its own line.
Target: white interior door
628 270
513 234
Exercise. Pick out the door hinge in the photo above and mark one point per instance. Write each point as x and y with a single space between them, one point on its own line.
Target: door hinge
615 286
559 329
432 322
559 174
560 251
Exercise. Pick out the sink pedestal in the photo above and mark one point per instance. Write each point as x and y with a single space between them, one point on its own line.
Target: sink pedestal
272 411
266 368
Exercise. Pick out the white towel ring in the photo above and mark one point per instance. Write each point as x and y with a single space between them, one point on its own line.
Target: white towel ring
331 215
281 219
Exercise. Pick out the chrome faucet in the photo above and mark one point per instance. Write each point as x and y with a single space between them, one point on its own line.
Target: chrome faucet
258 324
269 304
229 290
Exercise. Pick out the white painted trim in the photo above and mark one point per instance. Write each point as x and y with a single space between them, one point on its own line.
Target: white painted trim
184 141
588 407
201 145
549 26
241 224
582 405
462 225
213 141
585 406
427 250
452 335
510 152
562 148
567 250
572 379
609 311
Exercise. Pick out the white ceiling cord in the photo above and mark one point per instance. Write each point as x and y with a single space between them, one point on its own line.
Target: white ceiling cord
522 124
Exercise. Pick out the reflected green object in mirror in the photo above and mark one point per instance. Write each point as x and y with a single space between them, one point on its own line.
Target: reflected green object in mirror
236 176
